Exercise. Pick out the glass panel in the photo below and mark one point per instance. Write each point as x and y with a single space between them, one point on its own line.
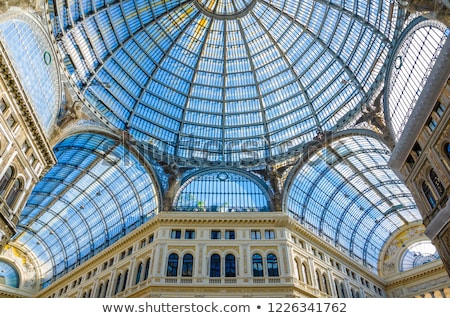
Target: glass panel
214 266
96 193
411 67
272 71
347 194
222 191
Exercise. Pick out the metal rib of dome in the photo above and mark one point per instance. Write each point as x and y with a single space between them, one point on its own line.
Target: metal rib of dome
246 81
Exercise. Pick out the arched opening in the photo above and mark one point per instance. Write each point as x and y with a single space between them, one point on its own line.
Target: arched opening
125 280
14 193
230 265
118 282
428 195
6 180
325 286
214 266
188 265
305 274
318 280
147 269
172 265
222 191
437 183
257 265
272 265
138 273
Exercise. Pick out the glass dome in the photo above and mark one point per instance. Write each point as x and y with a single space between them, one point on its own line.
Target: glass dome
231 81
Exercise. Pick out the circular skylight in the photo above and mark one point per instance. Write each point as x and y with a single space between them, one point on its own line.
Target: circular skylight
230 81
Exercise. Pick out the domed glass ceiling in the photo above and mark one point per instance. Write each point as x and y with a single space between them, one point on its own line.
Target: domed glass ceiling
224 80
347 194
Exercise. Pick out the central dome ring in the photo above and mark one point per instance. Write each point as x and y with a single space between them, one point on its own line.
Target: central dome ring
225 9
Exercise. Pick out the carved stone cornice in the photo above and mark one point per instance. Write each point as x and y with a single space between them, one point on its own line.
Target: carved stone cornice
413 278
28 115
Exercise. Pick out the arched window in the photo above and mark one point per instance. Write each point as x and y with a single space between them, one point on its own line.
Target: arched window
437 183
222 191
272 265
13 194
319 285
6 179
343 291
100 290
429 195
297 270
118 281
305 274
257 266
338 290
106 288
188 264
138 273
230 265
325 284
447 150
172 265
125 280
147 269
214 266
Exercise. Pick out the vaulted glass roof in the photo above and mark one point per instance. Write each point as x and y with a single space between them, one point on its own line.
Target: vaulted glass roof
347 193
95 194
206 79
31 55
414 59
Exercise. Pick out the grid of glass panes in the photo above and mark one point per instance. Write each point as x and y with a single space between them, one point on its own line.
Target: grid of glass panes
194 85
95 194
411 67
222 192
347 193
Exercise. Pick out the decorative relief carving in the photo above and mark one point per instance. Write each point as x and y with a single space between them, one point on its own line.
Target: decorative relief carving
181 248
222 249
388 267
264 248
